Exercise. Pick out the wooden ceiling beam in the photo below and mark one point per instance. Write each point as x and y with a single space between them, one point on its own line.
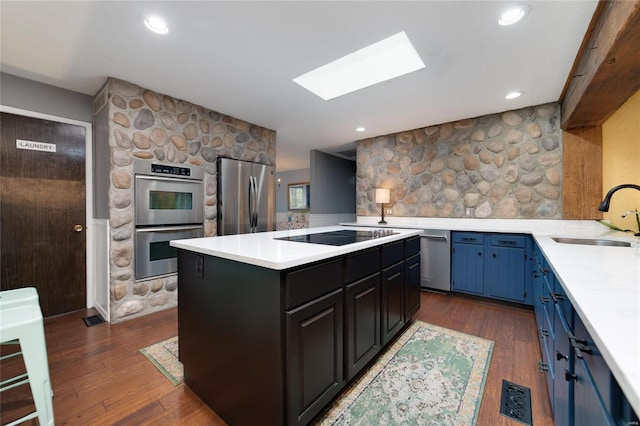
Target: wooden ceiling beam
607 71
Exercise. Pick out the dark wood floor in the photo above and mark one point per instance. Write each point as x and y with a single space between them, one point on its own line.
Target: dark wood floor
99 376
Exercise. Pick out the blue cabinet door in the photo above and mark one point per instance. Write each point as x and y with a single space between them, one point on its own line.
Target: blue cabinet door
468 268
589 408
507 273
562 362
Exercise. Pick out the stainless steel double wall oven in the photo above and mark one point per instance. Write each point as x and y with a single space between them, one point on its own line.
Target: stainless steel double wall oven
168 206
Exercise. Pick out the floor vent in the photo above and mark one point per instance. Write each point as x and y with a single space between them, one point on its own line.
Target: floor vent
92 320
515 402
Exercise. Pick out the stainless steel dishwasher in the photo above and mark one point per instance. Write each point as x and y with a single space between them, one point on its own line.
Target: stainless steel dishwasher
435 259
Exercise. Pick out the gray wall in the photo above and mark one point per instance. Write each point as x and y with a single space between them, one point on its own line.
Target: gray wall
29 95
333 184
291 176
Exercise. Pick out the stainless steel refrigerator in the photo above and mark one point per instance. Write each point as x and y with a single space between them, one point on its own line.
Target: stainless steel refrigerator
246 197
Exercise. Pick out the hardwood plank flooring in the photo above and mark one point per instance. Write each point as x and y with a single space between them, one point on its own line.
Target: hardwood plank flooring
100 378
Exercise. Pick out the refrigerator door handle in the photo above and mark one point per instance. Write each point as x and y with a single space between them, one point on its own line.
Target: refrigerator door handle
256 200
253 194
250 194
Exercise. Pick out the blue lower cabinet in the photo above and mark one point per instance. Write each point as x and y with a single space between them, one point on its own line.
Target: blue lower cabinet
581 388
588 406
507 273
468 268
562 366
493 265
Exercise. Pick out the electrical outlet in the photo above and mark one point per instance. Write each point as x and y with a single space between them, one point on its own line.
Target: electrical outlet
389 211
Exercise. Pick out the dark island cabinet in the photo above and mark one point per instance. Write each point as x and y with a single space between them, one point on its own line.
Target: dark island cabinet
412 294
392 301
314 356
281 345
362 325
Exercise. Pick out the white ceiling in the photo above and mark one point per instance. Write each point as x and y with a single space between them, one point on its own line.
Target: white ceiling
238 58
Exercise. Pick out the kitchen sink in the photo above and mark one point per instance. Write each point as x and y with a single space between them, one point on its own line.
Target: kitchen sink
591 242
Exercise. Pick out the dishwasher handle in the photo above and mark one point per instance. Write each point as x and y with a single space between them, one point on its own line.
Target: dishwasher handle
434 237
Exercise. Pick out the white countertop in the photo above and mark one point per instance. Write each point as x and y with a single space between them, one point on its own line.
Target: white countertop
603 283
261 249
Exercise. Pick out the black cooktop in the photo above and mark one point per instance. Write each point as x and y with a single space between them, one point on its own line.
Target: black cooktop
338 238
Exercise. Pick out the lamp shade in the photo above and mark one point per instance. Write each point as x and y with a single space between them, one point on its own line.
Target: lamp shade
383 195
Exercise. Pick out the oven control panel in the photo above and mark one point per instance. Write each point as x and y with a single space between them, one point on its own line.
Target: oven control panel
170 170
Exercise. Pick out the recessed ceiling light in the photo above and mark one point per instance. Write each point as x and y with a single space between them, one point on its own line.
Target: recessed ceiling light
513 14
156 24
389 58
360 129
513 95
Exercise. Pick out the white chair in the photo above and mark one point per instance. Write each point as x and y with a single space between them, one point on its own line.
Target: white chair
21 321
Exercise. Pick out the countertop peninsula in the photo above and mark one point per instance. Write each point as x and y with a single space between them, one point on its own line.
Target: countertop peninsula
603 283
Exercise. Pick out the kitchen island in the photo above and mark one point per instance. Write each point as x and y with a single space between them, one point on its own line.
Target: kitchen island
271 330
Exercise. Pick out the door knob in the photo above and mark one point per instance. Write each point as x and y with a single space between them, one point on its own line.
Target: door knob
78 228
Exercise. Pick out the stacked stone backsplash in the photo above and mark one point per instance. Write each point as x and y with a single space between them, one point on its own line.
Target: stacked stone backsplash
149 125
506 165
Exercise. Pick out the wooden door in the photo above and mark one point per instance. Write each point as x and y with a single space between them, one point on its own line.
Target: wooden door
42 197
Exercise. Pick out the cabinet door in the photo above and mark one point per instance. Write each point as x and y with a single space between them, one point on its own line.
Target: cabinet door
392 301
412 290
314 354
468 268
507 273
562 404
363 323
589 409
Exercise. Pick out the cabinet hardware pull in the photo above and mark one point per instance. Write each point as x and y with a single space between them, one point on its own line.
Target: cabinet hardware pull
543 299
580 346
494 255
542 367
506 242
557 297
569 376
560 356
479 253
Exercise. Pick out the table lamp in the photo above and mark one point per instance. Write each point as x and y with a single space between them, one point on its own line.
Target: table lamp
383 195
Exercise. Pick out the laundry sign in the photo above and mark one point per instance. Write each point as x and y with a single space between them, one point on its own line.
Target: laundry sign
35 146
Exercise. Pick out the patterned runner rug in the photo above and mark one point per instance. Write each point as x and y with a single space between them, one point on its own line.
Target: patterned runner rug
430 375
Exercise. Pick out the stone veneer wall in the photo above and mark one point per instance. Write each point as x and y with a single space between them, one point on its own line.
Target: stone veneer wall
506 165
149 125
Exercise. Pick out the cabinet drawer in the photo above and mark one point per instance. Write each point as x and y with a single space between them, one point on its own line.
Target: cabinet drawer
308 283
508 240
411 246
392 253
468 238
361 264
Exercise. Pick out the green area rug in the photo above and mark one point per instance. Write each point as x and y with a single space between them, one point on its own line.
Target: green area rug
164 356
429 375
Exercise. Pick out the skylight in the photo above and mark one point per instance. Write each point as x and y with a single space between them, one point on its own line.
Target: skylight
389 58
